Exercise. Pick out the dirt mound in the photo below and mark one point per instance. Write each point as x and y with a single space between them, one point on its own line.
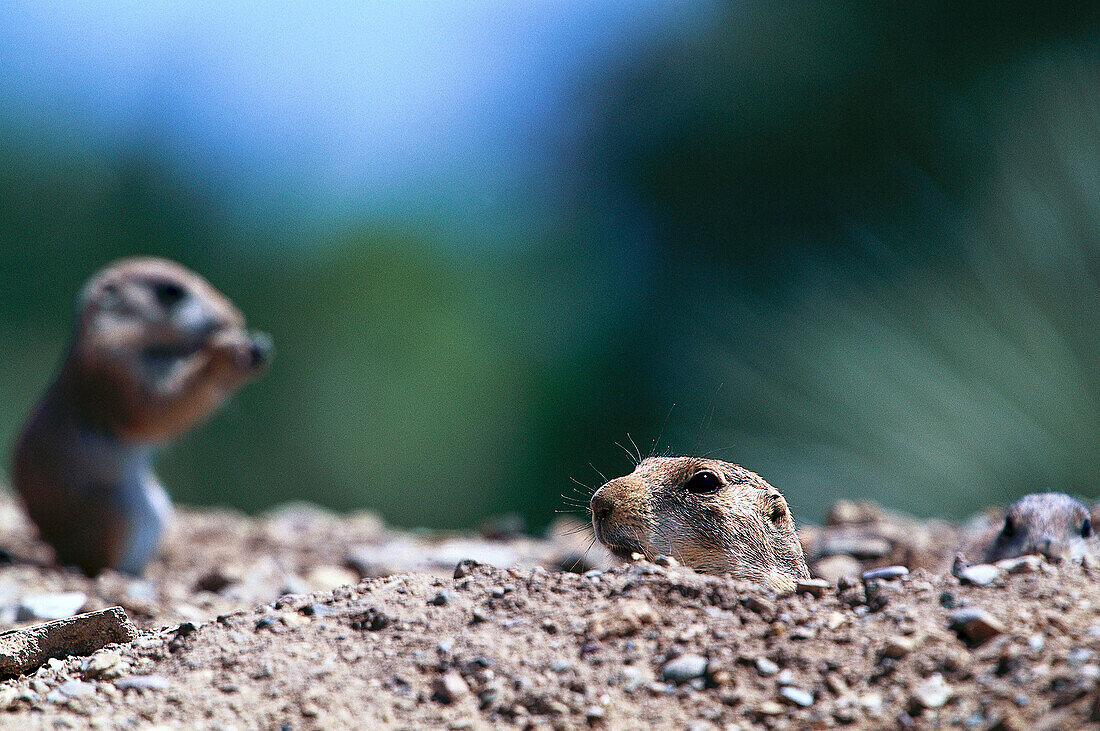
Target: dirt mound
631 647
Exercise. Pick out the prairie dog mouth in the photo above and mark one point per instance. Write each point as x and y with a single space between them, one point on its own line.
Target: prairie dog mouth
620 545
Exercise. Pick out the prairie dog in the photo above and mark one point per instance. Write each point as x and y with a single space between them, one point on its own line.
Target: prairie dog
155 349
1049 524
710 515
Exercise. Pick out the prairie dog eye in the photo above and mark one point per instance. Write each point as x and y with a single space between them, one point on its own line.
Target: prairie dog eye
1009 528
168 293
1086 528
703 483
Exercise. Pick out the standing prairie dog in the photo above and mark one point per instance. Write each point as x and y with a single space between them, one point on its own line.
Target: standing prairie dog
155 349
710 515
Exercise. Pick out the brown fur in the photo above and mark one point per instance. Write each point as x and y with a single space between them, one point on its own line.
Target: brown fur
155 349
743 528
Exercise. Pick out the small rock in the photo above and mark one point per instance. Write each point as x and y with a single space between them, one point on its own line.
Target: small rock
441 599
684 668
785 677
105 664
592 574
50 606
465 567
898 647
449 688
796 696
759 604
76 689
498 592
932 693
974 625
142 682
666 561
982 574
766 667
885 573
770 708
632 678
814 587
560 665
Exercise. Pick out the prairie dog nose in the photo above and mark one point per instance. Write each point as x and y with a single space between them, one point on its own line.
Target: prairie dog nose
601 504
1050 548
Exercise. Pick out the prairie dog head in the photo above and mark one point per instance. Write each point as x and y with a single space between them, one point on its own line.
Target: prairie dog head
710 515
156 348
1049 524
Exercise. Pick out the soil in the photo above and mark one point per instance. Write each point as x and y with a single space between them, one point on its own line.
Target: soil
377 632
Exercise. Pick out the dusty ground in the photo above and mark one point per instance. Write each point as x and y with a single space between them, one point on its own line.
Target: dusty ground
632 647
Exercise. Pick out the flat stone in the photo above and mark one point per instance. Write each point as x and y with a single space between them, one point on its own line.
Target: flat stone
25 649
50 606
76 689
975 625
142 682
102 663
814 587
684 668
982 574
885 573
796 696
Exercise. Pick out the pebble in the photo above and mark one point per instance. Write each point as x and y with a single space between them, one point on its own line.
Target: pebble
560 665
142 682
813 587
975 625
76 689
102 664
449 688
759 604
667 562
785 677
898 647
982 574
632 678
684 668
465 567
766 667
796 696
441 599
770 708
932 693
51 606
885 573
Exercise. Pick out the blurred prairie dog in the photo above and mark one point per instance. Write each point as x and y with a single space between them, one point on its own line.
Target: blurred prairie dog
710 515
155 349
1050 524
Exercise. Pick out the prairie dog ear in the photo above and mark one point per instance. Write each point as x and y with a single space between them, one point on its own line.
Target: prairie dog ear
776 510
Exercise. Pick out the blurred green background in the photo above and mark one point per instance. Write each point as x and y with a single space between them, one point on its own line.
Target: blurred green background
853 247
